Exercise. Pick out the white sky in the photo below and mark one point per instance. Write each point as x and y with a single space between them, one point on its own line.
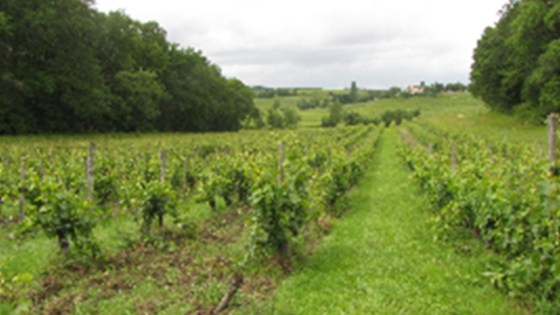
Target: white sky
377 43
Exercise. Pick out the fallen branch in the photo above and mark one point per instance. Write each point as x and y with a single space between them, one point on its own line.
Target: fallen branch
233 287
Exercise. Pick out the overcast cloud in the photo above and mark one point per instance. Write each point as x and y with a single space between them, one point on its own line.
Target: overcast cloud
378 43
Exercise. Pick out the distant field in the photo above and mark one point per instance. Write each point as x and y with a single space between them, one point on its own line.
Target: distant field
309 118
459 111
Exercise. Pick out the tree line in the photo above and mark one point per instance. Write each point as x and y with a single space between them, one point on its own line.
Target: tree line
266 92
67 68
338 115
516 65
356 95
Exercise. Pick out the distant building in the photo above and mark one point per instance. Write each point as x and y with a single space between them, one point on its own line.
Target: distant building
414 89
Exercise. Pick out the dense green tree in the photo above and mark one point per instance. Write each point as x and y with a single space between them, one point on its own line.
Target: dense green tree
119 40
314 102
542 89
353 118
286 92
488 71
275 119
434 89
354 91
244 105
64 67
236 106
515 62
264 92
336 114
52 70
291 117
184 109
455 87
394 91
153 51
253 120
200 98
282 117
8 116
137 96
5 35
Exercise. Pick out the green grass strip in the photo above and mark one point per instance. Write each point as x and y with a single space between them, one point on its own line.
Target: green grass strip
381 258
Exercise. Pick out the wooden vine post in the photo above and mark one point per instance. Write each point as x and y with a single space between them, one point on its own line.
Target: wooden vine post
90 167
281 158
186 169
163 163
552 142
22 190
41 169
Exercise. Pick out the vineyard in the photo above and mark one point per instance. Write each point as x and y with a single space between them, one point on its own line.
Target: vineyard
285 220
137 176
504 194
223 204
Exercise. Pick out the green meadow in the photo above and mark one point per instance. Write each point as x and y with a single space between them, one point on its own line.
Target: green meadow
454 111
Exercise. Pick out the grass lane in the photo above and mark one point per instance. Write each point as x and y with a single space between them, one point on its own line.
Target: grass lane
381 258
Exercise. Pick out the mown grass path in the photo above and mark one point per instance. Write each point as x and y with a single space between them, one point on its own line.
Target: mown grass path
381 258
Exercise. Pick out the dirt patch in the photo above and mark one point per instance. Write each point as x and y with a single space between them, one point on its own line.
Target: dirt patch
262 285
180 266
147 307
199 269
60 306
50 286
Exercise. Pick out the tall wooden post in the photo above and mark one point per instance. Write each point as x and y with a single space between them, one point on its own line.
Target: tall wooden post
163 162
552 142
281 158
453 156
22 190
186 169
41 169
90 166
